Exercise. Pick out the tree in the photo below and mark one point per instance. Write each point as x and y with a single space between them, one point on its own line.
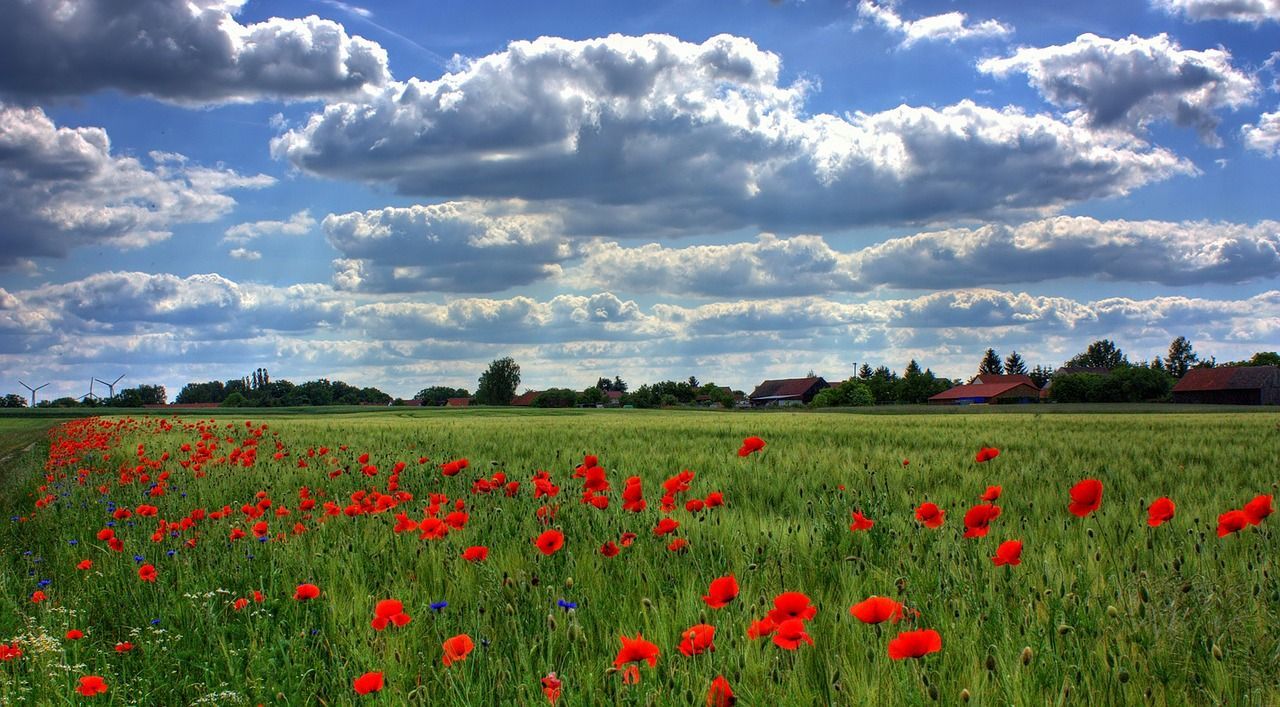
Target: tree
235 400
591 396
438 395
211 392
555 398
1101 354
913 369
864 371
1014 365
13 400
851 393
137 397
1265 358
990 363
1040 375
619 385
1181 357
499 382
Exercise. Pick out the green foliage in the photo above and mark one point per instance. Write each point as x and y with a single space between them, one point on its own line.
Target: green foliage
556 398
438 395
13 400
850 393
499 382
1100 354
1014 365
990 363
235 400
1127 384
139 396
1181 357
261 391
1040 375
591 396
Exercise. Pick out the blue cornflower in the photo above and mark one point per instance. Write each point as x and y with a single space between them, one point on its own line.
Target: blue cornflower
73 542
155 622
567 605
438 605
44 583
111 524
138 558
263 539
171 553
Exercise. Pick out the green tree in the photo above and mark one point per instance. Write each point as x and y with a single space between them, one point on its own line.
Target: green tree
990 363
210 392
555 398
438 395
499 382
1265 358
13 400
1040 375
590 396
864 371
1014 365
1100 354
850 393
235 400
1181 357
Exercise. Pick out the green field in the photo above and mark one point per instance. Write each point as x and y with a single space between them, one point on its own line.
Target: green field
1111 610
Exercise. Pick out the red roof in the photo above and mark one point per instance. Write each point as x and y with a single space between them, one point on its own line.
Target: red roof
786 388
458 402
1227 378
980 390
988 378
613 394
525 399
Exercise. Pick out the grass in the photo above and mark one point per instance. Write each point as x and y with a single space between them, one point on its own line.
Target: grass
1112 611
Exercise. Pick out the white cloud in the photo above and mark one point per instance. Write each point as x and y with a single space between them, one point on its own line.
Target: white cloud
626 135
1250 11
193 52
298 224
244 254
452 247
947 27
1133 82
1264 136
61 188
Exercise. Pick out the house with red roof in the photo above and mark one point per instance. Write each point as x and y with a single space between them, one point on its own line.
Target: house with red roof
526 398
987 389
1230 385
458 402
787 391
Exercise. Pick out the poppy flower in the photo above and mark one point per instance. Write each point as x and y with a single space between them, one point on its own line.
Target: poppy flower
551 686
722 591
475 553
626 539
10 652
791 605
665 526
874 610
457 648
75 634
929 515
306 592
750 445
860 522
91 685
1160 511
38 596
1086 497
915 644
698 639
1008 553
609 549
1232 522
84 565
147 573
991 494
240 603
678 545
720 694
977 520
761 628
1258 509
635 650
369 682
124 647
389 611
549 542
986 454
790 634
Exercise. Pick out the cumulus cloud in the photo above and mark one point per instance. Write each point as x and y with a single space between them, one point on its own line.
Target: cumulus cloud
62 187
244 254
1133 82
1169 253
188 52
1250 11
634 134
947 27
1264 136
298 224
451 247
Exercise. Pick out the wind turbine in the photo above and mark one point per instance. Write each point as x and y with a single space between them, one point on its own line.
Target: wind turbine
33 391
111 387
89 395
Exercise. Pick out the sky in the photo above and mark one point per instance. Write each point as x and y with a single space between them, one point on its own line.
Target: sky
394 194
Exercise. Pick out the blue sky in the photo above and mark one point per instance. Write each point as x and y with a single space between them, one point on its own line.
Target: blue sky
393 194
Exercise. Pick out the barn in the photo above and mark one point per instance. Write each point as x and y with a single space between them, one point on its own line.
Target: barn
458 402
526 398
787 391
990 389
1230 385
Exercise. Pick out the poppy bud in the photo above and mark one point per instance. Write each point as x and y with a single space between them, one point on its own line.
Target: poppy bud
575 632
551 622
964 695
1217 652
933 693
1066 692
511 610
991 662
1063 629
1027 655
1143 595
646 603
752 567
1112 611
1124 676
568 583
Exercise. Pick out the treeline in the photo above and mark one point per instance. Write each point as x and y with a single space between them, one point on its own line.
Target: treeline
259 390
127 398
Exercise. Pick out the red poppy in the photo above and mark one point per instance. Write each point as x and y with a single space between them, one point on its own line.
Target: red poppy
635 650
75 634
551 686
549 542
874 610
240 603
1160 511
38 596
147 573
369 682
860 522
306 592
930 515
720 694
1232 522
992 493
1008 553
91 685
790 634
791 605
1258 509
84 564
10 652
761 628
1086 497
609 549
389 611
626 539
986 454
678 545
915 644
124 647
722 591
665 526
457 648
977 520
475 553
698 639
750 445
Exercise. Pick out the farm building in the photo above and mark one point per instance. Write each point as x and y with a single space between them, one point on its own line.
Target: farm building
787 391
999 389
1230 385
613 398
526 398
458 403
